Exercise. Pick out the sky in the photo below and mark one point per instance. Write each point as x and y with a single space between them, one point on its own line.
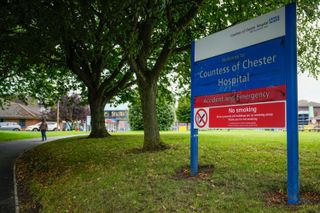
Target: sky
308 88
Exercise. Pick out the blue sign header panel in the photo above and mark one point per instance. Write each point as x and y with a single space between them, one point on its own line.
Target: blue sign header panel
252 67
246 56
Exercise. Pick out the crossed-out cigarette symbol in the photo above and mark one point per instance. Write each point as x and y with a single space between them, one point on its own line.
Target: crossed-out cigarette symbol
201 118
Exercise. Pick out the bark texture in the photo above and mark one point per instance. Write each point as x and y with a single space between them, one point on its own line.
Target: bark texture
148 95
97 103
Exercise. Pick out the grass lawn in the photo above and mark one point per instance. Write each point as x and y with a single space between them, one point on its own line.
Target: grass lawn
20 135
111 175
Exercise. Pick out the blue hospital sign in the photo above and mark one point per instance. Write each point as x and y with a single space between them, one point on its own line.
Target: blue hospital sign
246 77
246 60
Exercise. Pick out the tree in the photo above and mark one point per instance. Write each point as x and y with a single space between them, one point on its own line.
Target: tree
165 116
72 36
135 117
71 108
47 87
184 109
161 31
165 110
148 33
308 37
154 31
15 81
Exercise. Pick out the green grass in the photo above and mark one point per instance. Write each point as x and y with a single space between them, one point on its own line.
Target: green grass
20 135
105 175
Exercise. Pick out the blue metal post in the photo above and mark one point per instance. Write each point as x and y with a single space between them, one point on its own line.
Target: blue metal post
292 107
194 153
193 132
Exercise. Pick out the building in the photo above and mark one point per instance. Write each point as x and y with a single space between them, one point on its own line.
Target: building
312 107
309 113
22 114
117 117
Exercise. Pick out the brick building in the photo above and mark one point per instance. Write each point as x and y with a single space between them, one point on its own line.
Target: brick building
22 114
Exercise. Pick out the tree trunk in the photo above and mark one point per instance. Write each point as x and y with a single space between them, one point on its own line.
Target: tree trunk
97 104
148 94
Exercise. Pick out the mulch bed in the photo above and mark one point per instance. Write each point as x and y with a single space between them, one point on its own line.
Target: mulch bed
280 198
204 172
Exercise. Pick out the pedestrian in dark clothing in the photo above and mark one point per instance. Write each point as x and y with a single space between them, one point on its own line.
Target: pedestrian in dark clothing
43 129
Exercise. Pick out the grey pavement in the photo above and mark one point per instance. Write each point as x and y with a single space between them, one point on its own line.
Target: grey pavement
9 151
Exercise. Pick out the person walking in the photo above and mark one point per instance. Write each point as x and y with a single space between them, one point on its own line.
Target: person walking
43 129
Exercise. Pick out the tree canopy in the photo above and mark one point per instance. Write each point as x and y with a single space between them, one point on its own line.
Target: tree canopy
72 36
309 37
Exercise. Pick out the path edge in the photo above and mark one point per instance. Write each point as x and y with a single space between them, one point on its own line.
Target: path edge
15 188
16 199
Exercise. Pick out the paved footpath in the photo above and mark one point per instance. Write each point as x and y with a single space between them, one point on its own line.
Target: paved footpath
9 151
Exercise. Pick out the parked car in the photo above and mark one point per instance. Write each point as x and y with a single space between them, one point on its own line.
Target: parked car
10 126
52 126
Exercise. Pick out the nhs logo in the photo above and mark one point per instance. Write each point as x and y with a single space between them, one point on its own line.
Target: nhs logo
274 19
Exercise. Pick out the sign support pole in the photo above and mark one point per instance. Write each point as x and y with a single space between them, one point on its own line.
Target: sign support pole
292 108
193 131
194 153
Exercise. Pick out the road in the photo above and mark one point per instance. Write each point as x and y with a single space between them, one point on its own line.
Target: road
9 151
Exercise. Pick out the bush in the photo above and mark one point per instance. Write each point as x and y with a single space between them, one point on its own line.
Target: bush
165 115
135 117
183 110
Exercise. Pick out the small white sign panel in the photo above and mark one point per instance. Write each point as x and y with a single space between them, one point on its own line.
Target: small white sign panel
251 32
201 118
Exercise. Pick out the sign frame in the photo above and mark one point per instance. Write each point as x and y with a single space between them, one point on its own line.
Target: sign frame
291 107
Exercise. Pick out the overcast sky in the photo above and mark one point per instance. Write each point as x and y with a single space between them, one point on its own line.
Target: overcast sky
308 88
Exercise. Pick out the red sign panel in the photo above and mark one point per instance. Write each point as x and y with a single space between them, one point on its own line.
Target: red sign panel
267 94
259 115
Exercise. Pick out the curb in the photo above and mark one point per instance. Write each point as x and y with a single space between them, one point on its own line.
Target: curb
15 185
16 199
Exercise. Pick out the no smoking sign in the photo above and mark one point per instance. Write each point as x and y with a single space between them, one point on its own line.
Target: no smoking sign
201 118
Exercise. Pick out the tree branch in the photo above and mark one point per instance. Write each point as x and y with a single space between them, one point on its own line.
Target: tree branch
182 49
186 19
113 75
167 50
119 86
134 66
75 68
145 30
169 18
162 59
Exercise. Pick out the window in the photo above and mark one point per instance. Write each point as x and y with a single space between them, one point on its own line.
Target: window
303 118
22 123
